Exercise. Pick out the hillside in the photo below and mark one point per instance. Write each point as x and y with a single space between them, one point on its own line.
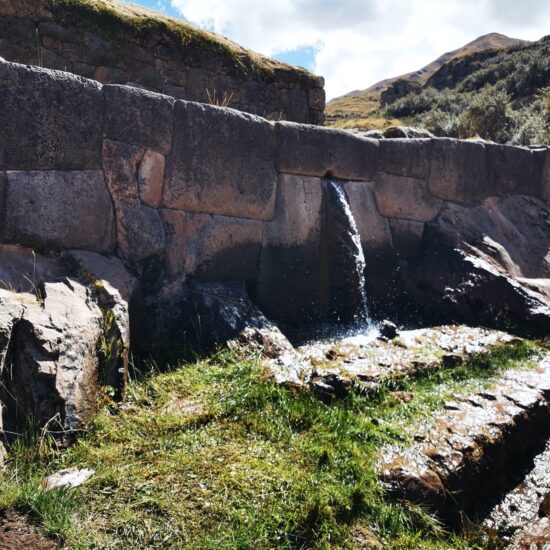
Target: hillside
491 41
498 94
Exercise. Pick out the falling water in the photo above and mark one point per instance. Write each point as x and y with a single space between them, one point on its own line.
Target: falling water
362 317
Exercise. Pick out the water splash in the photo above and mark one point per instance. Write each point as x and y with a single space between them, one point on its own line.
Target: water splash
362 318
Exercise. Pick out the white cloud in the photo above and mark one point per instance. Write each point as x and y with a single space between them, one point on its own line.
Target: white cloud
359 42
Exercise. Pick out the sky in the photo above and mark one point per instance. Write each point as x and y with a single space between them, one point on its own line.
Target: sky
355 43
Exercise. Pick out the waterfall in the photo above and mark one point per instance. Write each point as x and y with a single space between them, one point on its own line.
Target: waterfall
350 250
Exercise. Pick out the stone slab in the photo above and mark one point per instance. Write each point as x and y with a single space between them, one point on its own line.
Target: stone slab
222 163
50 120
458 171
514 170
140 232
402 197
373 228
292 284
406 237
175 233
222 248
406 157
317 151
138 117
51 209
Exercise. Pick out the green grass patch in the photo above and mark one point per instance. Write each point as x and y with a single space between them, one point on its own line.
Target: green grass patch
215 455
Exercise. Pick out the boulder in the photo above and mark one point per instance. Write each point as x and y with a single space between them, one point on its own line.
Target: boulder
229 172
22 270
53 372
62 339
57 210
486 264
63 133
406 132
138 117
189 316
317 151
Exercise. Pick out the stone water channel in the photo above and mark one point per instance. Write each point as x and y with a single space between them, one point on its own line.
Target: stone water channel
485 456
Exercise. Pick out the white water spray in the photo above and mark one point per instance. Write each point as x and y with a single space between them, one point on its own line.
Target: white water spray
363 320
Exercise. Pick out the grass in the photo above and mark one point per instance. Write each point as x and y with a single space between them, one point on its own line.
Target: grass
358 112
214 455
111 18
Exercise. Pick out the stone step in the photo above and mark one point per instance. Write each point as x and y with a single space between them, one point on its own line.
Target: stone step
332 368
522 518
468 456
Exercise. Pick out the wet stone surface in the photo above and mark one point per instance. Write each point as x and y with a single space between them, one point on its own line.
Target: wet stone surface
522 517
474 449
365 361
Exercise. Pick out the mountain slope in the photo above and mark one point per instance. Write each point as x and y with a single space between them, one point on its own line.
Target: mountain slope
491 41
499 95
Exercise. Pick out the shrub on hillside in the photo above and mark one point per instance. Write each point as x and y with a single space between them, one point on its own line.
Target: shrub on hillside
486 116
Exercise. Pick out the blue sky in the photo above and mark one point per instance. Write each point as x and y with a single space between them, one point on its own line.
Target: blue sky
355 43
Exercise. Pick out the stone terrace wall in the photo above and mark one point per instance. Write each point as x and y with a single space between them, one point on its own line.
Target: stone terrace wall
180 188
115 43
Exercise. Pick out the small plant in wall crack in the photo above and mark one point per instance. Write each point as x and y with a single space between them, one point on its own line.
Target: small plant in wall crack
224 101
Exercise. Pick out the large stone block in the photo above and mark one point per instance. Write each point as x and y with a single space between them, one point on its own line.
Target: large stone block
139 117
406 157
140 232
175 233
316 151
222 248
222 163
459 171
546 176
406 237
292 285
514 170
121 163
50 120
151 178
401 197
58 210
373 228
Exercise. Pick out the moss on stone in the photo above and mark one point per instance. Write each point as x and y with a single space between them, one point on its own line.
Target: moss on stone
111 18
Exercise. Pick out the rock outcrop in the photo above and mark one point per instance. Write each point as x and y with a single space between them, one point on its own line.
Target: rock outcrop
62 336
487 263
471 451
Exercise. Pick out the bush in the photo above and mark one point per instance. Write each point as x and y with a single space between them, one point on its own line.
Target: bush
486 115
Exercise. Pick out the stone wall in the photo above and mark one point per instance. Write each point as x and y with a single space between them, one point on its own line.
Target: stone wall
185 190
117 43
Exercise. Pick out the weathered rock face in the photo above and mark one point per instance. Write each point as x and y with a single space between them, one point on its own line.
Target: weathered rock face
115 43
61 339
473 449
184 317
487 264
60 134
